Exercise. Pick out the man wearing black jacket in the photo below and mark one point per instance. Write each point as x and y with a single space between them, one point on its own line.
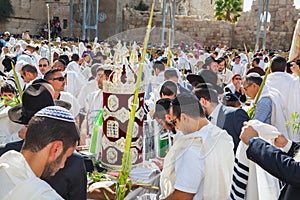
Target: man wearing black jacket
276 162
227 118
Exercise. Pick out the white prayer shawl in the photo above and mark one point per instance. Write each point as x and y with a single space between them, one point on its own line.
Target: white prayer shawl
27 58
278 118
231 87
217 150
250 181
68 97
9 130
289 87
81 49
17 53
87 89
44 51
75 81
94 103
226 76
86 72
74 49
183 63
12 41
19 182
37 58
74 66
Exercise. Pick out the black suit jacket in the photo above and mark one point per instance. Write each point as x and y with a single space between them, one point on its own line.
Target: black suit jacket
231 119
69 182
279 164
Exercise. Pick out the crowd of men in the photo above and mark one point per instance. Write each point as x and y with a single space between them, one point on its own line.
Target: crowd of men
201 98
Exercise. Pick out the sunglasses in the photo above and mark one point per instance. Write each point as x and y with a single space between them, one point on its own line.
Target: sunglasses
44 65
237 79
59 78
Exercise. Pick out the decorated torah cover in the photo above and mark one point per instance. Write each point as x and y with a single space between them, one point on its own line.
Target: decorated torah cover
118 93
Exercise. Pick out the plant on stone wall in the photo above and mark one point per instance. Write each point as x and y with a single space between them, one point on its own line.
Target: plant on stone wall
228 10
6 10
141 6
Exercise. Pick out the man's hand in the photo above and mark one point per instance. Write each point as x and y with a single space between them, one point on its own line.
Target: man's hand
295 68
180 195
247 133
159 162
280 141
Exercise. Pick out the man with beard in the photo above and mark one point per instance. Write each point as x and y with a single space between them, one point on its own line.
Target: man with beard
51 138
162 115
163 118
57 79
227 118
69 182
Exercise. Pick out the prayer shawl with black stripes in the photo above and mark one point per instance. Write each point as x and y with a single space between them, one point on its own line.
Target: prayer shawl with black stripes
249 180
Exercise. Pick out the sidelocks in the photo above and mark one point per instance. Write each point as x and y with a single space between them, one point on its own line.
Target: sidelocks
118 94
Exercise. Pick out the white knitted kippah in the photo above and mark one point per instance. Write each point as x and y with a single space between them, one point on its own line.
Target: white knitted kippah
56 112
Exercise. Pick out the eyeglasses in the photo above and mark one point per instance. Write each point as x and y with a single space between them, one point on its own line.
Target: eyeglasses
173 121
245 88
59 78
100 75
237 79
44 65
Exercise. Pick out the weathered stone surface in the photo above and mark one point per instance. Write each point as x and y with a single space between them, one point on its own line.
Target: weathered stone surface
198 24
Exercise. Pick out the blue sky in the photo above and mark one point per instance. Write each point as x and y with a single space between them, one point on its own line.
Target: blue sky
247 5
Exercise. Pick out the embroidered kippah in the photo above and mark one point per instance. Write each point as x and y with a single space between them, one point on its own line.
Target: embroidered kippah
56 112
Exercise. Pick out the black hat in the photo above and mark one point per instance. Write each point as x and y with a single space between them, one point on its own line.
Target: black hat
34 98
159 52
205 76
205 86
208 61
230 97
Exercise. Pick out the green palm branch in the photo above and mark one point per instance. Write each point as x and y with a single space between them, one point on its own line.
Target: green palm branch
122 182
251 111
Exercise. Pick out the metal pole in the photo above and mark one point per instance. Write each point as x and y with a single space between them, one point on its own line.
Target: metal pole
89 13
163 22
84 20
258 24
96 18
265 24
173 23
49 34
71 19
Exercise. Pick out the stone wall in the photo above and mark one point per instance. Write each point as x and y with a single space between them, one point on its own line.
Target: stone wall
204 9
283 18
188 28
279 35
31 15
